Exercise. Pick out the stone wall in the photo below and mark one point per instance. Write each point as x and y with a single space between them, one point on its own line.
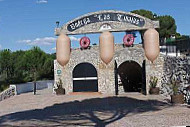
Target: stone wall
154 69
123 54
164 67
167 68
106 76
136 54
106 81
176 68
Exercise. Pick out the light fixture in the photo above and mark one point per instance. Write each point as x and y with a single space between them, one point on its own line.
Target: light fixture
57 24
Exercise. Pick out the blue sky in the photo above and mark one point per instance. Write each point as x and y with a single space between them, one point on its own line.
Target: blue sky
25 23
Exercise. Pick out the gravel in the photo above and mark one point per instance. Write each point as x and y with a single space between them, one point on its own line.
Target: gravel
126 110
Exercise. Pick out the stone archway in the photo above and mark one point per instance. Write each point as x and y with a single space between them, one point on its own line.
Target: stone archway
85 78
130 73
97 22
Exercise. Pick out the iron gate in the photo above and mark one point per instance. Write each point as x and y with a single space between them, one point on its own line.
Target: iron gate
85 78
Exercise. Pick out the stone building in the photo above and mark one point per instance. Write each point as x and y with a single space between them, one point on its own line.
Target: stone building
86 68
129 70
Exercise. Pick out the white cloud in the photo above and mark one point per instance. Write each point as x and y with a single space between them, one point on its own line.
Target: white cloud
39 41
42 1
53 48
74 38
0 47
44 41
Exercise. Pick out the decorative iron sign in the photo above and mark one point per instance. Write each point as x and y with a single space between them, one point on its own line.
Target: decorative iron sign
107 16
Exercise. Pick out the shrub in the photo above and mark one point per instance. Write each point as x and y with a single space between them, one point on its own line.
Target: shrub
175 86
153 81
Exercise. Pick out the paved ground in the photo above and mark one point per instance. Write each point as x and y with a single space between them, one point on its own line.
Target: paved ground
129 110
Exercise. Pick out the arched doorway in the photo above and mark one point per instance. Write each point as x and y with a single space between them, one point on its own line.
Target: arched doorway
85 78
130 73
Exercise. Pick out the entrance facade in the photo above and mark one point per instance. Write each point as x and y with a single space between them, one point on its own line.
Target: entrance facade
85 78
85 71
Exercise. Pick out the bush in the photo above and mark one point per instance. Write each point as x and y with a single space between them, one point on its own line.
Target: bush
174 85
3 86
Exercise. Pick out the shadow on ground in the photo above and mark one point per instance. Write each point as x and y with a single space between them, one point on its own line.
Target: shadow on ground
90 112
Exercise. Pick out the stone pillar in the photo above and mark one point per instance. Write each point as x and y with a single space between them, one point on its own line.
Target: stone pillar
106 79
155 69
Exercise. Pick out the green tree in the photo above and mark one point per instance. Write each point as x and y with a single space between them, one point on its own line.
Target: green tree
23 66
6 67
47 71
18 71
145 13
167 23
167 26
33 61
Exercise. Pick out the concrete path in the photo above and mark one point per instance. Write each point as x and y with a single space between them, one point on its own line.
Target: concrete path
128 110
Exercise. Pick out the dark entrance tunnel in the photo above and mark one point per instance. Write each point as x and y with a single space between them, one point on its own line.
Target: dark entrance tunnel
130 73
85 78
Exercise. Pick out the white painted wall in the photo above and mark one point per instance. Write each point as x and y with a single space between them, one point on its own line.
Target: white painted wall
28 87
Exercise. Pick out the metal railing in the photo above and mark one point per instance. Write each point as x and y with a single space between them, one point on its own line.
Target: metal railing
7 93
181 46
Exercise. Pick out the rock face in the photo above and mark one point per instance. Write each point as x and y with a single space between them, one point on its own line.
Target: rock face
176 68
164 68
